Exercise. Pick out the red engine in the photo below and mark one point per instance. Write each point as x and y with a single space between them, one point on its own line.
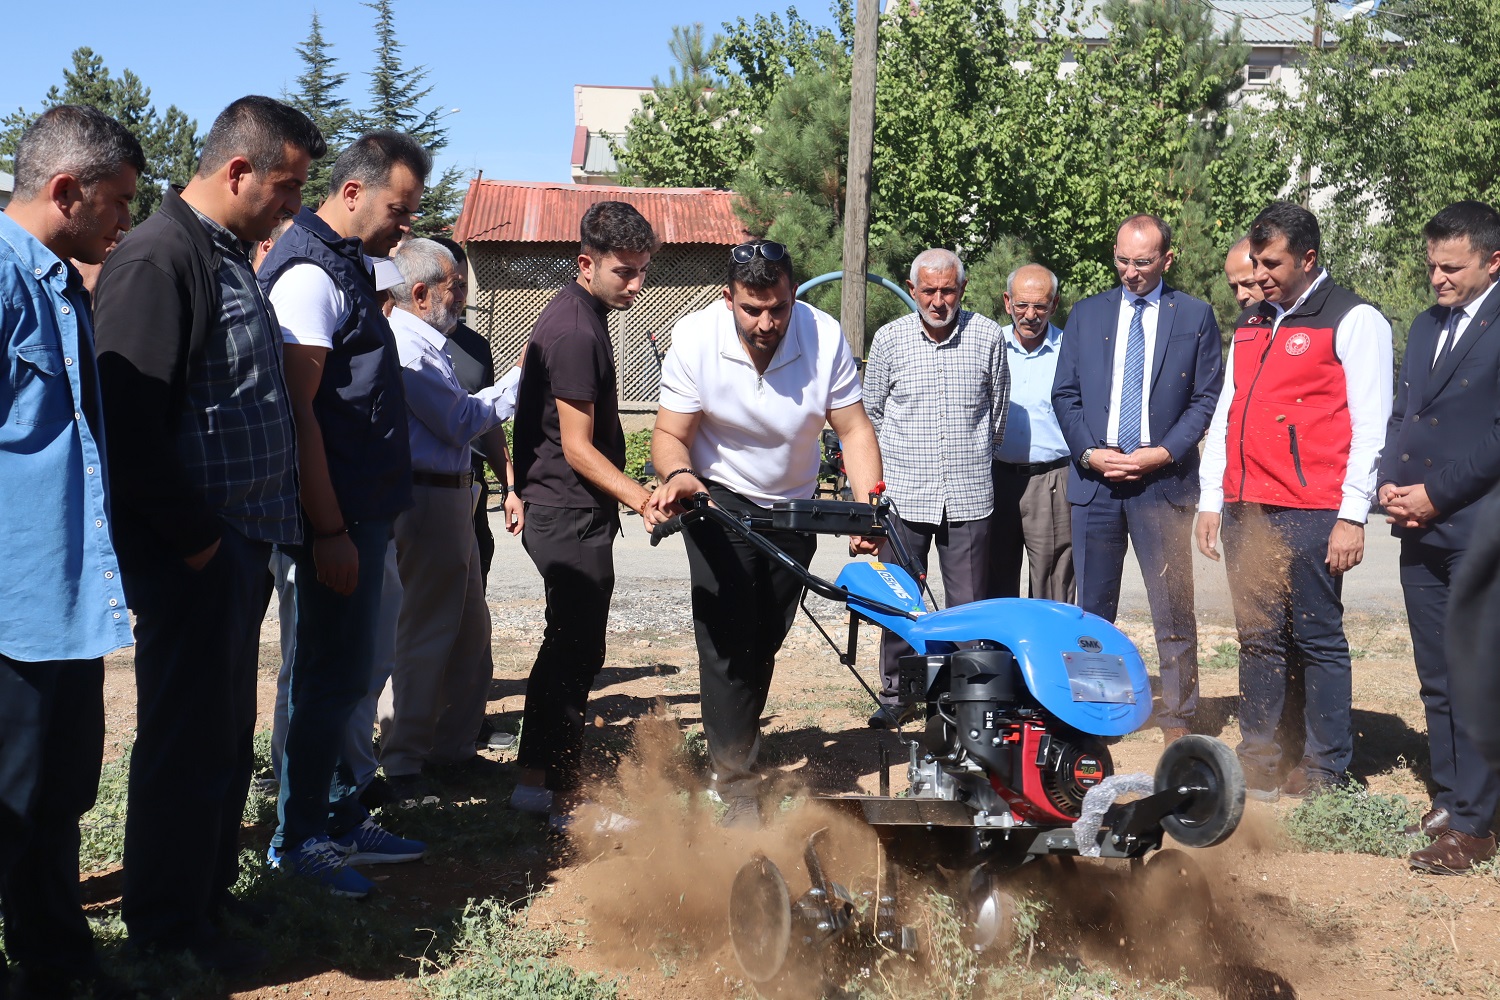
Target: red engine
1052 773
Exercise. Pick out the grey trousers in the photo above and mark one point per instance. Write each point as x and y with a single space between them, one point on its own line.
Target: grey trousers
432 708
964 557
1033 518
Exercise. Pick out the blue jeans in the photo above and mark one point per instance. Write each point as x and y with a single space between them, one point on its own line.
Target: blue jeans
330 674
1288 606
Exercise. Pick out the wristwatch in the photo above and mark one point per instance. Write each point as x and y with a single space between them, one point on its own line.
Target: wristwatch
1083 459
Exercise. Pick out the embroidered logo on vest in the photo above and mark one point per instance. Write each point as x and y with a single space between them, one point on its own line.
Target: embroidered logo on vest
1298 343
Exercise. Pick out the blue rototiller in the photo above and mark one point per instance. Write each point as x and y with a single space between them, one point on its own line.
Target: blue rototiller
1019 701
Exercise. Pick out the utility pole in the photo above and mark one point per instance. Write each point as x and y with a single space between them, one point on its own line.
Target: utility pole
1317 44
857 192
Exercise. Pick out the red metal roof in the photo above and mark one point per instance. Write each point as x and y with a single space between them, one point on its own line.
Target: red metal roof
541 212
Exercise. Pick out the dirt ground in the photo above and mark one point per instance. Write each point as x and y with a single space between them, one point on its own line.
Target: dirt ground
648 908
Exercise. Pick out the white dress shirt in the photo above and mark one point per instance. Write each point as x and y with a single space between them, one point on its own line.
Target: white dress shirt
1363 345
1461 324
1149 316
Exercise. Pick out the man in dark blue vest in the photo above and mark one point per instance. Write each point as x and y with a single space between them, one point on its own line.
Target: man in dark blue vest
1442 454
355 473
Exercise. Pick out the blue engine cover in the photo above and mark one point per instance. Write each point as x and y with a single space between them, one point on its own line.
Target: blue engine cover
1080 668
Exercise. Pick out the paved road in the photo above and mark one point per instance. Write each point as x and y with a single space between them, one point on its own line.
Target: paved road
651 588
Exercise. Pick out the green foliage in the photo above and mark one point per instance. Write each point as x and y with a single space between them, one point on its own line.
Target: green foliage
1005 158
397 93
637 453
102 828
497 956
1396 132
1226 656
318 96
168 139
1350 820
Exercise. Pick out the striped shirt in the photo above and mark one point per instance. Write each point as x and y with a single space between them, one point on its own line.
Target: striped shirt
939 409
237 440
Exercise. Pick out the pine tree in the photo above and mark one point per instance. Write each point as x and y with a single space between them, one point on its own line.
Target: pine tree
396 96
169 140
317 96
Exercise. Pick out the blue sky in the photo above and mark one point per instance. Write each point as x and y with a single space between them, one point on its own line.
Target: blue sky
510 66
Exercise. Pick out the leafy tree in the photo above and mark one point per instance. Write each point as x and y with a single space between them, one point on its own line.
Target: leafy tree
986 140
397 93
1398 121
318 96
169 140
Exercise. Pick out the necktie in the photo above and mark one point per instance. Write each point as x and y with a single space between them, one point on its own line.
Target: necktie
1450 331
1132 384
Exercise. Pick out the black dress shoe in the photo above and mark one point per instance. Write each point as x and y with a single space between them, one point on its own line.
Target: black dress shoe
891 717
1430 826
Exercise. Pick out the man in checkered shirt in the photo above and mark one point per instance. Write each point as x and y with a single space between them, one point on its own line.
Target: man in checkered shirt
936 388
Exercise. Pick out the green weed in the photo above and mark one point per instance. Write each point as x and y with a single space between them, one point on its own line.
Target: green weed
496 956
1350 820
102 829
1225 656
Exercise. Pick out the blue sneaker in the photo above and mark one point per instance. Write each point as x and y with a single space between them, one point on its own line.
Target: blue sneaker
368 844
318 859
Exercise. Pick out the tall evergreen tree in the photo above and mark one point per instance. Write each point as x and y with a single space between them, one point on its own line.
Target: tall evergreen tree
318 97
169 140
397 93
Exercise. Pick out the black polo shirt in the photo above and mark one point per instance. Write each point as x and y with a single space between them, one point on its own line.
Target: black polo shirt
569 357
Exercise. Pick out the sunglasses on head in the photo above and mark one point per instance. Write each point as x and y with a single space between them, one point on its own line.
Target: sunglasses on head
745 252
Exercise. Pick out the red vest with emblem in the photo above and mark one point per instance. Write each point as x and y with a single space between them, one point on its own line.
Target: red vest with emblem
1289 426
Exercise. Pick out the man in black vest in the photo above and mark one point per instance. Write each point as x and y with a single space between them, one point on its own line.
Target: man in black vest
1442 453
355 475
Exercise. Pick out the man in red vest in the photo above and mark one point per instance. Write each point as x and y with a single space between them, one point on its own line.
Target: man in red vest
1289 466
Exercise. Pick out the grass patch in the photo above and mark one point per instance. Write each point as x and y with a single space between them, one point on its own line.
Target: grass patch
495 955
1350 820
1225 656
102 828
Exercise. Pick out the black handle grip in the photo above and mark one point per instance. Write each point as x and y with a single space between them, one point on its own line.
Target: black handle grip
695 504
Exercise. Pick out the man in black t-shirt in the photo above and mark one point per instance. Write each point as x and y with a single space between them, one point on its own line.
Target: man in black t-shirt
569 457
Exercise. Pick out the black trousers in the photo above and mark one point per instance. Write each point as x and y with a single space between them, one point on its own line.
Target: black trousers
743 605
482 533
1466 786
51 743
197 637
573 549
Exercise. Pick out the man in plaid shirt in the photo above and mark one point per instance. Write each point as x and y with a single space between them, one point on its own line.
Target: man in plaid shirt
936 389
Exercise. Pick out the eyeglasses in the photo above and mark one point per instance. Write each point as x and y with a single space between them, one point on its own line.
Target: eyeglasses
1139 265
1022 308
745 252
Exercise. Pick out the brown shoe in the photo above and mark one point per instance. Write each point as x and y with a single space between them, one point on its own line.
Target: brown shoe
1171 734
1431 825
1453 853
1301 783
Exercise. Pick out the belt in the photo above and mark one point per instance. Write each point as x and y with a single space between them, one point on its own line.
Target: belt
1032 468
450 480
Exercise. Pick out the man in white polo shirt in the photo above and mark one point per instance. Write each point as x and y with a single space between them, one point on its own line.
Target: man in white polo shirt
745 391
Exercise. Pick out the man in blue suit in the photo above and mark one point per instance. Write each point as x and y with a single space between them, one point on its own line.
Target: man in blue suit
1137 380
1442 454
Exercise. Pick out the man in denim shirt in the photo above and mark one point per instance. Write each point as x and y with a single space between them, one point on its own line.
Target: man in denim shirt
61 603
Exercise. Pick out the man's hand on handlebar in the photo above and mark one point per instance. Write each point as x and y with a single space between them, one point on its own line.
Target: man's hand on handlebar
862 546
667 498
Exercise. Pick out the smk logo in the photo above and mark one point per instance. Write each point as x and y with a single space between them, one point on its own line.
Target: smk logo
1298 343
1089 644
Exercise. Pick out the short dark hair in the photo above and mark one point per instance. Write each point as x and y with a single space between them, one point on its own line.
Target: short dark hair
259 129
1297 224
757 272
609 227
371 158
453 247
1473 219
73 139
1143 220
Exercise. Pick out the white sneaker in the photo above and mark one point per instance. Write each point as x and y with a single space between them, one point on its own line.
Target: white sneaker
531 799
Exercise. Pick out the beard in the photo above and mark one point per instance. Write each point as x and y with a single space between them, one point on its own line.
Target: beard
942 324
